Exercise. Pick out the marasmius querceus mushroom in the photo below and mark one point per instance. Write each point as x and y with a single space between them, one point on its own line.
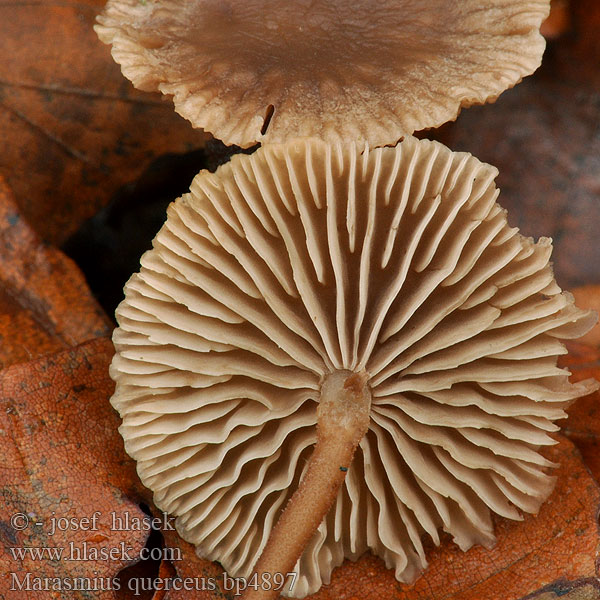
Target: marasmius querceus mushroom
375 303
340 70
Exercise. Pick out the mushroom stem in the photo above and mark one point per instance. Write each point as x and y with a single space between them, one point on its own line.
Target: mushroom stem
342 421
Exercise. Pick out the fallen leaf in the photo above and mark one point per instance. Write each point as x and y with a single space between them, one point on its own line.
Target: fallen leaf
585 590
74 130
583 425
63 462
583 360
45 304
558 21
204 578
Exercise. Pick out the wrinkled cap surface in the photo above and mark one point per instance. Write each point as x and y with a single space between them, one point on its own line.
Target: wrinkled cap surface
305 258
341 70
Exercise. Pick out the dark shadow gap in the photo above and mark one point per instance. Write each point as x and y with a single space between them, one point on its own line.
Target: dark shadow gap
108 247
268 116
138 578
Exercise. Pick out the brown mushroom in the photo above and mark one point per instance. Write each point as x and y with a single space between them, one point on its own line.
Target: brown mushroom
380 296
341 70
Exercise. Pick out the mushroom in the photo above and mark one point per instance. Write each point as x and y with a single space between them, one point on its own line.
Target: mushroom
340 70
332 349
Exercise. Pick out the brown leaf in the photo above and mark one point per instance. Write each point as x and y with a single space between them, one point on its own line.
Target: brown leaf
45 304
586 590
558 21
74 130
204 577
63 459
583 360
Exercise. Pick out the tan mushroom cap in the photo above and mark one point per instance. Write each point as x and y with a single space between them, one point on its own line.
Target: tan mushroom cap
306 258
341 70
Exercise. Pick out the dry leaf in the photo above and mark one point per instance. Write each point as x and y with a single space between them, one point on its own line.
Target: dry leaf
74 130
583 360
63 458
193 568
586 590
45 304
558 21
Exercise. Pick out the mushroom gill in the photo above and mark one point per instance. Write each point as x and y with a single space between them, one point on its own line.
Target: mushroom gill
304 261
340 70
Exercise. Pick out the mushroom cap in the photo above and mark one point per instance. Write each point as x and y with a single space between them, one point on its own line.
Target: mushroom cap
306 258
341 70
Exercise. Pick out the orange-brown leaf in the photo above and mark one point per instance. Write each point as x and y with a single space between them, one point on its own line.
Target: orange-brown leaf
73 130
583 360
558 21
63 458
45 304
